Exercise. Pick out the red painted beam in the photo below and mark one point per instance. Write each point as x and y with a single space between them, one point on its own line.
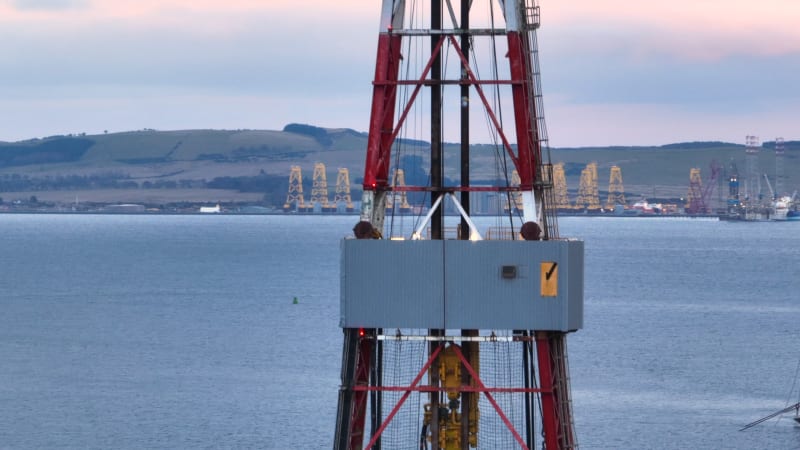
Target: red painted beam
524 116
477 380
453 189
405 396
384 95
359 411
550 418
462 388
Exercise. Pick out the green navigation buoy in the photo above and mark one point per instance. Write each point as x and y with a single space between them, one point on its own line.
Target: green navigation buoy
294 302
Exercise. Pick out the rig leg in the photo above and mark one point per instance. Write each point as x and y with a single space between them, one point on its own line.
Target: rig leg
351 413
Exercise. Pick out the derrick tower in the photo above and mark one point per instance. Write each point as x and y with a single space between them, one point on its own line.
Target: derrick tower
708 190
560 187
734 197
343 190
695 203
319 190
780 152
616 191
588 196
752 188
295 196
458 343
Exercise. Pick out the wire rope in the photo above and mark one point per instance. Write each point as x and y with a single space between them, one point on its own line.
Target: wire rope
399 144
791 391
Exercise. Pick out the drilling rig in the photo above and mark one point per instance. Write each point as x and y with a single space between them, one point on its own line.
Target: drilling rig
458 343
294 198
616 190
343 190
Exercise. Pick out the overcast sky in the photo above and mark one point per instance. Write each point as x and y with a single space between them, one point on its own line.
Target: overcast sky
615 72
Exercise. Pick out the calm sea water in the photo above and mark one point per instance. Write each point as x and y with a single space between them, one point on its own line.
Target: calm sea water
171 332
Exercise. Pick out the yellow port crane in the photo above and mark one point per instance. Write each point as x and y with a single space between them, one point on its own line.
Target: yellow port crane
588 197
560 187
616 191
319 190
343 190
295 195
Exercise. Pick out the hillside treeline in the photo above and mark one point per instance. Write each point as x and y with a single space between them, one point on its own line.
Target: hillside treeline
57 150
273 187
20 183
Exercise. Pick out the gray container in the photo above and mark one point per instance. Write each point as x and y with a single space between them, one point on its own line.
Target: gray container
455 284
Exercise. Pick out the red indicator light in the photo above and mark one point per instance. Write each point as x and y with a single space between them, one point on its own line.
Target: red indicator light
361 332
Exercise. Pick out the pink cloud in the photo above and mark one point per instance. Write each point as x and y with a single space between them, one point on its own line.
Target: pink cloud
692 29
138 9
197 17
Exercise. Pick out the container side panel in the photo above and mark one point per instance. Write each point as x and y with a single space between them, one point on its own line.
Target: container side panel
392 284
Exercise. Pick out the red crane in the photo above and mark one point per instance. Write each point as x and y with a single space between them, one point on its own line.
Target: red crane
700 195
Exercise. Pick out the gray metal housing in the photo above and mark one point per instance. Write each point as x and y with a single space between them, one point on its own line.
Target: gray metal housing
456 284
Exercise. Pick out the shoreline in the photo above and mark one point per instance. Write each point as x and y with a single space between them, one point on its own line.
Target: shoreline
277 212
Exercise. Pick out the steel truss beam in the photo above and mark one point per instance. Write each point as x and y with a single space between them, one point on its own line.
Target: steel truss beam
479 388
379 151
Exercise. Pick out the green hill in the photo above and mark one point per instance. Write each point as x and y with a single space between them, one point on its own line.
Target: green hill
258 162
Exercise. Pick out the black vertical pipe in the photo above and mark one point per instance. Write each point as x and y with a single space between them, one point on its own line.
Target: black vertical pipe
471 348
436 184
376 397
528 371
465 48
436 120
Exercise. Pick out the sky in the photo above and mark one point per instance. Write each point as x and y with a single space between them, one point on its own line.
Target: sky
616 72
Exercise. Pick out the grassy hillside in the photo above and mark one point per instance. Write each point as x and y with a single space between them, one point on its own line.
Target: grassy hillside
251 161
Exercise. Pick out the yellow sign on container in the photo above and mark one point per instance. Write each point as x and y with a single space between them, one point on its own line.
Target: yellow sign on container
549 279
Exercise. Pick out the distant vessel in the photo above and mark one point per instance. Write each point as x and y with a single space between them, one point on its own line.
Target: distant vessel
643 207
780 208
785 208
211 209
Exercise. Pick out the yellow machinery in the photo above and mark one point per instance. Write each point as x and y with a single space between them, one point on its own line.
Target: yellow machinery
319 190
295 195
694 198
343 189
560 187
588 197
616 191
451 378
